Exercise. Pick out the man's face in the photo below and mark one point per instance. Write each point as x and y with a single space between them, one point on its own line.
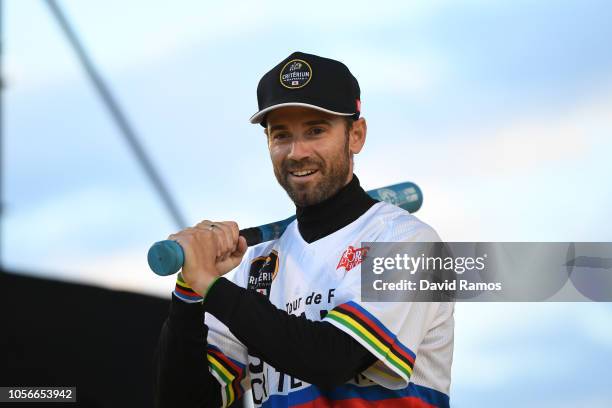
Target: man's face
310 153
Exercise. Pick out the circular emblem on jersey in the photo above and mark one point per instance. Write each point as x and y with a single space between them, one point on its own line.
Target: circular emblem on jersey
295 74
262 272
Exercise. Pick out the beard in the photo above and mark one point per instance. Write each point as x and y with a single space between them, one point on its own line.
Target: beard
333 176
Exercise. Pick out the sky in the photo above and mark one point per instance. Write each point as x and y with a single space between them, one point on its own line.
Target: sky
500 111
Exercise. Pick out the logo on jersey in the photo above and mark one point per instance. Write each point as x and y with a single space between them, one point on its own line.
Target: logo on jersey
352 257
262 273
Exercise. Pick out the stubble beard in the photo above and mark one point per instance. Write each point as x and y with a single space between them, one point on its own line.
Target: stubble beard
334 175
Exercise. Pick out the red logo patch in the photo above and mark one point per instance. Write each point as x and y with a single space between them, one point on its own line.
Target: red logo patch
352 257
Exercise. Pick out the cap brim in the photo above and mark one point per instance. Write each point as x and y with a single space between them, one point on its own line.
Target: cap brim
258 117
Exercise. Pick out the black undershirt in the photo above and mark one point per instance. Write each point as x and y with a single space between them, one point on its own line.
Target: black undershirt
313 351
319 220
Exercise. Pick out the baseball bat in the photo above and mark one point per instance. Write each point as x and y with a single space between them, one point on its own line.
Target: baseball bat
167 257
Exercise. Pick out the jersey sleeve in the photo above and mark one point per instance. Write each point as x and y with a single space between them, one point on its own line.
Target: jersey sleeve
391 331
227 356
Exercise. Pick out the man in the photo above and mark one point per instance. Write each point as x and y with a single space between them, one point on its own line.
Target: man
290 325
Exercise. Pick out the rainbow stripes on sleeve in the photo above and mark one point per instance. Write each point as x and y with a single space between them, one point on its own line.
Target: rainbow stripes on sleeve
184 292
229 371
370 330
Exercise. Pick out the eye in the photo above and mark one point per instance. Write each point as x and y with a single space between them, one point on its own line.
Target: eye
279 136
316 131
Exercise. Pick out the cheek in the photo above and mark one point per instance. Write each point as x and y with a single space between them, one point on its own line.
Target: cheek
277 155
332 152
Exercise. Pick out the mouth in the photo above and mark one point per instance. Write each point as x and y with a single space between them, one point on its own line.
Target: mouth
303 174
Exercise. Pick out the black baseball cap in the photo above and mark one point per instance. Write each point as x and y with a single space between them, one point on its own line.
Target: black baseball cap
308 80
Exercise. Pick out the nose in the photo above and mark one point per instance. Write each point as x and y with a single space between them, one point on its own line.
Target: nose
299 149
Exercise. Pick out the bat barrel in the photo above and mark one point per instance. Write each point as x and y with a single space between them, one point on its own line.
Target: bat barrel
405 195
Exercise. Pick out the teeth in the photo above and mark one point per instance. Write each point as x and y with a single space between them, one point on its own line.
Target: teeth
302 173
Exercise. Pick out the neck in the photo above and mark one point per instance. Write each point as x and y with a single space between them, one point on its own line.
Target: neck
345 206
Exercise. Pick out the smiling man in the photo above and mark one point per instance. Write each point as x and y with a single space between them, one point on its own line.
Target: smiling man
312 151
289 325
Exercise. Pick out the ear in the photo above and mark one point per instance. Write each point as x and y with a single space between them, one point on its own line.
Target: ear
357 135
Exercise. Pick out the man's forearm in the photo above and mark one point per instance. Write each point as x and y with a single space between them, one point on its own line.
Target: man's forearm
313 351
181 374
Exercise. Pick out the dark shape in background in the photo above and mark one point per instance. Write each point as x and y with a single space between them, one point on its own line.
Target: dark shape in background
64 334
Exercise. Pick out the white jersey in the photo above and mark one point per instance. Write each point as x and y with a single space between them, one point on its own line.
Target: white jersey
322 280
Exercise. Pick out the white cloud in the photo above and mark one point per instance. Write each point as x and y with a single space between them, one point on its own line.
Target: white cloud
121 270
124 36
47 235
469 176
533 142
124 270
595 322
381 71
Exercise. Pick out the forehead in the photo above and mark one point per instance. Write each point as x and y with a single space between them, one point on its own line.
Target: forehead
292 114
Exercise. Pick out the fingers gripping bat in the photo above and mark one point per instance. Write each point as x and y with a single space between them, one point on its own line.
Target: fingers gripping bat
167 257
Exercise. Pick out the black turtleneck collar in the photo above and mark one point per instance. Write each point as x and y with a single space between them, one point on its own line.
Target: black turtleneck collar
319 220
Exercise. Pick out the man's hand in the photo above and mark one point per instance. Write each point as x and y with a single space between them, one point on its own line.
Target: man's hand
211 250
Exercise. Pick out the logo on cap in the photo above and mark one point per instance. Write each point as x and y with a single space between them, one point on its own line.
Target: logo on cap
295 74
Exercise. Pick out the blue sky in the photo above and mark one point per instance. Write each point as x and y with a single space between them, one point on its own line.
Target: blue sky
499 110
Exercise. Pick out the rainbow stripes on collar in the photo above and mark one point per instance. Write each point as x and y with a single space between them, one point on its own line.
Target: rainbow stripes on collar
368 328
229 372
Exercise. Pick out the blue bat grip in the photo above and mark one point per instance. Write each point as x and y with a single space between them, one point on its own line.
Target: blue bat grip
166 257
